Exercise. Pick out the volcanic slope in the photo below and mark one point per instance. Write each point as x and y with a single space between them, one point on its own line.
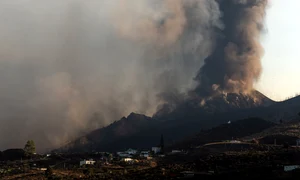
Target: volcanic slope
188 118
228 131
285 132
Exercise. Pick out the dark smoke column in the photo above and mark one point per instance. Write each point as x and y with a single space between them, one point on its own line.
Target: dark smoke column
235 64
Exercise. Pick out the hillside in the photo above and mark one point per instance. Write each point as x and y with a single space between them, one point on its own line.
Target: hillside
102 137
287 110
231 101
285 132
186 120
228 131
220 103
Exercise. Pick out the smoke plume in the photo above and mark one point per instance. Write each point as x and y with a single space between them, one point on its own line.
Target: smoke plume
67 67
235 64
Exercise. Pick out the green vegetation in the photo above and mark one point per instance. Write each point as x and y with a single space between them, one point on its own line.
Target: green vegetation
29 148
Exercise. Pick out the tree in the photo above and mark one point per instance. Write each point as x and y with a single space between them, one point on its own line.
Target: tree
29 148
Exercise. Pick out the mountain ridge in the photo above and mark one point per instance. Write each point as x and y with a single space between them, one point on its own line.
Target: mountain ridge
140 131
227 131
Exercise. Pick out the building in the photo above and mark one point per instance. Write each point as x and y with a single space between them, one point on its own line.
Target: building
127 153
131 151
159 149
42 169
144 154
156 150
291 167
87 162
127 160
123 154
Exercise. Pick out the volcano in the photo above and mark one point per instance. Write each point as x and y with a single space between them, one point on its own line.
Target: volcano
188 118
218 103
230 101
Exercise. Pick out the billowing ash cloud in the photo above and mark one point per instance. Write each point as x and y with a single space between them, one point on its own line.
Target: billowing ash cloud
235 63
70 66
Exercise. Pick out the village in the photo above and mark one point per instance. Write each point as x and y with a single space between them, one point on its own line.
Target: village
229 158
102 165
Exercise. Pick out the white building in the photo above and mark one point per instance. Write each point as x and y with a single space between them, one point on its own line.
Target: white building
291 167
131 151
144 154
87 162
123 154
156 150
128 160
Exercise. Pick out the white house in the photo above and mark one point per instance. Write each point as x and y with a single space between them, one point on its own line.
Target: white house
87 162
291 167
123 154
131 151
144 154
128 159
156 150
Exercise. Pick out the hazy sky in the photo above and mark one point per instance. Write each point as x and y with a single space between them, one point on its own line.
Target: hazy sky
281 63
